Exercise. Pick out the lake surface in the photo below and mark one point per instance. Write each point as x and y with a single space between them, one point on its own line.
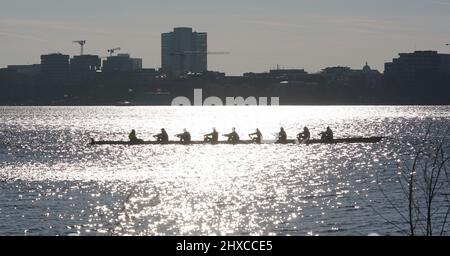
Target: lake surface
52 183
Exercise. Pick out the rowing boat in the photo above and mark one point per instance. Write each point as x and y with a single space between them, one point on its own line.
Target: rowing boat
243 142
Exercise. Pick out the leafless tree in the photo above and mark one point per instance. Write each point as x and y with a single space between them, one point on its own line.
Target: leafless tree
425 183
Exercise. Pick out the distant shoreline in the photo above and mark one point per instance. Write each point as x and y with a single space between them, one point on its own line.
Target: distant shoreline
281 105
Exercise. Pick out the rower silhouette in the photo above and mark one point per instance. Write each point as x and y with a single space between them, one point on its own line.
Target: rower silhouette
282 136
304 136
133 138
256 136
185 137
163 137
212 137
327 135
233 137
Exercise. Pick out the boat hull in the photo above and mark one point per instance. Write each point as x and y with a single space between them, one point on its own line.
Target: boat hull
242 142
347 140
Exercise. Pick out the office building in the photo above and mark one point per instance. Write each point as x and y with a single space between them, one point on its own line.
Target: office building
420 64
121 63
184 51
84 66
55 67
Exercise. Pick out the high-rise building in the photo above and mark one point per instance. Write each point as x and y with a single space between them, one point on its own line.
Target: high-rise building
410 66
421 77
121 63
84 66
55 67
184 51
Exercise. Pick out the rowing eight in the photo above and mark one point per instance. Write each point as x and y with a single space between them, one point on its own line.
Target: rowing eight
309 142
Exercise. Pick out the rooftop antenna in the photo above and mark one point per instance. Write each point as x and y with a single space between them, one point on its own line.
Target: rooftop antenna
81 43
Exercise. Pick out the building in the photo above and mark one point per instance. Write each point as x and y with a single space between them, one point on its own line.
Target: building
346 76
84 66
346 72
283 74
410 67
121 63
55 67
421 77
184 51
337 72
29 70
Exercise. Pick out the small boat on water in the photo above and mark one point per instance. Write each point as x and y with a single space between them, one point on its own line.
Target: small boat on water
243 142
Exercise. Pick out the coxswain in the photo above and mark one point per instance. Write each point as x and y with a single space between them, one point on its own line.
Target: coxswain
133 138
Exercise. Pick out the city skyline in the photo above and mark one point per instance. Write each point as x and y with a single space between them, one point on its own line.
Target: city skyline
300 34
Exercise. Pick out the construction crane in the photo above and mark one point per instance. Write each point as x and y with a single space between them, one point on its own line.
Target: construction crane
81 43
112 51
183 54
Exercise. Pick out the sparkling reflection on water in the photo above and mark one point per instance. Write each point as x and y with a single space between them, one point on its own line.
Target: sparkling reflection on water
51 183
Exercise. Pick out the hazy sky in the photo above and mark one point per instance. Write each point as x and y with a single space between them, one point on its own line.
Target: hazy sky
260 34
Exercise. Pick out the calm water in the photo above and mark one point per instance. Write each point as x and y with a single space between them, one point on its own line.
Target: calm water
51 183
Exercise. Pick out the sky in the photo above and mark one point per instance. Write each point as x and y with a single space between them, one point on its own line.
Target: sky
259 34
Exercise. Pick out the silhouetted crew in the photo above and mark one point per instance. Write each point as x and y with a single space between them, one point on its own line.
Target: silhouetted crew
258 136
304 136
133 138
282 136
233 136
185 137
327 135
212 137
163 137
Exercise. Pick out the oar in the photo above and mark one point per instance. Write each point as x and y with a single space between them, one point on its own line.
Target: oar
204 133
